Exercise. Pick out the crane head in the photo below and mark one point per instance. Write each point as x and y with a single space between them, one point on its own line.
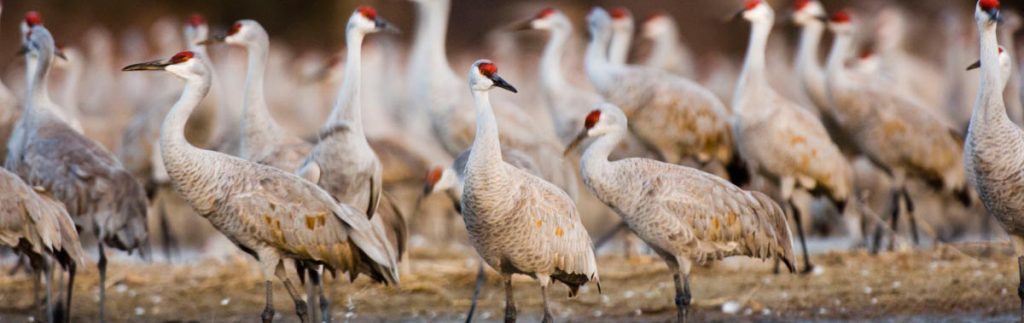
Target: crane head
185 64
196 30
438 179
755 11
483 76
622 19
988 12
606 118
32 19
546 19
366 20
807 12
39 42
1005 61
599 23
196 20
658 24
841 22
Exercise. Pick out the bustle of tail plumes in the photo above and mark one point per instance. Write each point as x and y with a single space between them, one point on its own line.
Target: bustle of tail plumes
781 244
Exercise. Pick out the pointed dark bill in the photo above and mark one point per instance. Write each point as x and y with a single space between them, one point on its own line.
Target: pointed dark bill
212 40
500 82
386 26
157 65
575 142
975 65
994 13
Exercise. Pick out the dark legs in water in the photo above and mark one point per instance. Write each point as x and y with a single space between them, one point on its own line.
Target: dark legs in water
683 296
476 291
102 264
898 195
547 310
317 284
792 209
169 244
268 311
510 303
300 305
910 216
71 287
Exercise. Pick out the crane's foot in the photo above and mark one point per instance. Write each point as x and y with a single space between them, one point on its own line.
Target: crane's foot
268 315
808 268
510 313
302 310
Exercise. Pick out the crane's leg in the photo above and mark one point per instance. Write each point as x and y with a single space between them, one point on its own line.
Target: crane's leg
480 277
305 280
72 267
169 243
910 216
544 281
48 272
510 303
102 264
683 296
325 309
268 310
894 220
300 305
808 267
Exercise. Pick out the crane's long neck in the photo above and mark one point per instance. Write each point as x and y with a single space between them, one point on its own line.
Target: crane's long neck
595 60
551 59
663 46
807 53
594 161
752 77
835 71
348 108
486 146
989 106
172 133
619 49
38 91
258 126
428 51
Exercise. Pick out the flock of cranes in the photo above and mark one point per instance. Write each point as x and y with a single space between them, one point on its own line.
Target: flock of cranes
664 152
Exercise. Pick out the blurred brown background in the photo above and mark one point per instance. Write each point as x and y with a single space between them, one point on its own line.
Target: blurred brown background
318 24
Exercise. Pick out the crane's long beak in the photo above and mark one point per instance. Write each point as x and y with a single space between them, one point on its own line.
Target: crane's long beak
386 26
975 65
521 25
575 143
500 82
995 15
212 40
734 17
157 65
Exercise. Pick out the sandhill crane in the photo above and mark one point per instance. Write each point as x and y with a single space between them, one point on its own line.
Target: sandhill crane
262 139
808 15
668 53
563 100
267 212
65 113
899 135
622 35
342 162
779 139
539 233
684 214
992 157
677 117
99 194
140 149
436 87
37 225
